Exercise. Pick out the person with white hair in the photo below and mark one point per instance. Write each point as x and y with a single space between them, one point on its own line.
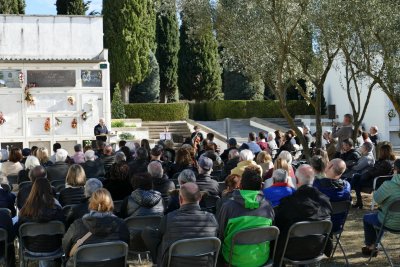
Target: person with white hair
374 135
59 170
101 131
30 163
94 168
161 183
305 204
307 135
272 146
77 211
246 158
286 155
185 176
279 189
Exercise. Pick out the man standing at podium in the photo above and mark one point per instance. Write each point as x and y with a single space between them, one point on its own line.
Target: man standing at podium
101 131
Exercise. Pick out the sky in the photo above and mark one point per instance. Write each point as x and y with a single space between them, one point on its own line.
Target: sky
47 7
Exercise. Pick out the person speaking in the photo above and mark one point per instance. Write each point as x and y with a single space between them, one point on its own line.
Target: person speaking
101 131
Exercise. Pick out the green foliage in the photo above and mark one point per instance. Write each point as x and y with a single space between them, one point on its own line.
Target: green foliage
129 34
238 87
126 136
72 7
117 124
167 34
117 106
241 109
199 63
158 112
149 90
12 6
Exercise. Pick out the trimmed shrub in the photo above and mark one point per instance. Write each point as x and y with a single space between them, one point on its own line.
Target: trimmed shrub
158 111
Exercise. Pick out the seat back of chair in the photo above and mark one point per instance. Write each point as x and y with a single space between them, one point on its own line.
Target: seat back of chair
32 229
6 187
12 179
67 208
254 236
194 248
117 206
209 203
23 184
340 211
6 210
58 184
3 241
378 181
102 254
141 222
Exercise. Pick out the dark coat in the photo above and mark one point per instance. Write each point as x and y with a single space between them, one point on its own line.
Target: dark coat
306 204
207 184
230 165
142 203
185 223
7 224
104 228
23 176
119 189
43 243
381 167
94 169
57 171
350 157
108 160
137 166
164 186
71 196
287 146
7 200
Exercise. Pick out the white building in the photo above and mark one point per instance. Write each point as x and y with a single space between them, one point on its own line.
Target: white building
378 108
62 60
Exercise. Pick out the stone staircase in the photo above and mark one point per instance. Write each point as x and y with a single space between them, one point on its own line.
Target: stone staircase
179 130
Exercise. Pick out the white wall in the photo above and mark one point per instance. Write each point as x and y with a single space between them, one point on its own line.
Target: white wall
379 105
56 37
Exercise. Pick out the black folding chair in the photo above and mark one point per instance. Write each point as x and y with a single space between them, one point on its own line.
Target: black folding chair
117 206
209 203
307 229
12 179
394 207
136 224
192 249
378 181
23 184
4 240
6 187
58 185
340 208
53 228
253 237
102 254
67 208
6 210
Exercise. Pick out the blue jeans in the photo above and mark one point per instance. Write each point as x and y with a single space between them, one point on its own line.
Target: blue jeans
370 220
44 263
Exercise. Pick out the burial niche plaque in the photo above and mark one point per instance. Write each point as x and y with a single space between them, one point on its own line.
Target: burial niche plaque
10 78
91 78
52 78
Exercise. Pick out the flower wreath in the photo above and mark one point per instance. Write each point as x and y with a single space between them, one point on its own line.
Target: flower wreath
28 96
71 100
47 125
2 119
84 116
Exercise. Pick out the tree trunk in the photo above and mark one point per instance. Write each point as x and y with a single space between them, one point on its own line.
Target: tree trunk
125 93
318 120
163 96
395 101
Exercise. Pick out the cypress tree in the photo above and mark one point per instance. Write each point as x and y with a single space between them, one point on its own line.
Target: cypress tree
149 90
239 87
117 106
12 6
199 66
129 34
72 7
167 34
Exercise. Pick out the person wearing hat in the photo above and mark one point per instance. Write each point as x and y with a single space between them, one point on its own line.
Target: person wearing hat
204 180
232 144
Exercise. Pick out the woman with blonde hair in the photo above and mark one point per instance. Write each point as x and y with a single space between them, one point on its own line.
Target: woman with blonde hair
264 159
74 186
43 155
98 226
280 164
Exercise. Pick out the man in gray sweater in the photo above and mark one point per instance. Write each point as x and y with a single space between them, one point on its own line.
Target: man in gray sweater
344 132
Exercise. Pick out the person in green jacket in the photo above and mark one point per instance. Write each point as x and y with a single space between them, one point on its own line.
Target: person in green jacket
384 196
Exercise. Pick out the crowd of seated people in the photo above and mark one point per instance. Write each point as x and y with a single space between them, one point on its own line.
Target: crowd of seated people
257 184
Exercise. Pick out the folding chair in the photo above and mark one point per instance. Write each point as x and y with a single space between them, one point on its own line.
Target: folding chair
341 207
378 181
117 206
23 184
6 187
138 223
209 203
67 208
102 254
394 206
196 247
53 228
58 185
4 239
222 186
253 237
306 229
6 210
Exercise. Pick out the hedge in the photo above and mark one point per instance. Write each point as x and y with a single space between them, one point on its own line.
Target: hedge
215 110
157 111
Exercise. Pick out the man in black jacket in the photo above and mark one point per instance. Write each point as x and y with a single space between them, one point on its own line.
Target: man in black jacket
184 223
94 168
59 170
306 204
204 180
348 154
161 183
